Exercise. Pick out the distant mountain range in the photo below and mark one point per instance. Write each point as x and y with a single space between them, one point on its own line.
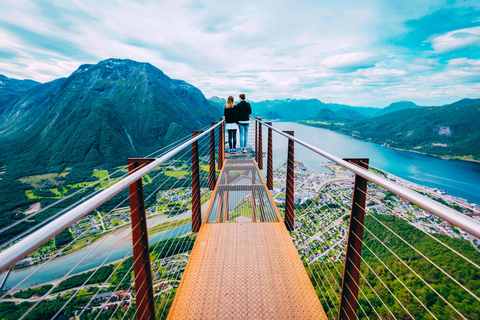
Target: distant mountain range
314 109
293 109
451 131
99 116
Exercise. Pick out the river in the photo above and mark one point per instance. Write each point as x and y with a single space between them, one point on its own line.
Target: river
61 266
458 178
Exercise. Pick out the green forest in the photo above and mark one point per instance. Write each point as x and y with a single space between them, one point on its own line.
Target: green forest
382 275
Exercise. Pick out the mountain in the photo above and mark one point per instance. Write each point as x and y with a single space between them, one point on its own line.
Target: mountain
273 115
341 115
10 89
350 114
449 131
465 103
293 109
99 116
217 100
397 106
218 103
325 114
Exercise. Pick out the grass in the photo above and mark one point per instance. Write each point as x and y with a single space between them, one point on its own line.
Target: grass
147 179
176 174
57 192
41 180
243 208
100 174
30 195
79 185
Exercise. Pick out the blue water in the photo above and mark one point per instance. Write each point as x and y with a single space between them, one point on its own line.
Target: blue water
61 266
458 178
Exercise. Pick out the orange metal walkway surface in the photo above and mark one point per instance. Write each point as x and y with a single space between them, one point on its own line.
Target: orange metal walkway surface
245 270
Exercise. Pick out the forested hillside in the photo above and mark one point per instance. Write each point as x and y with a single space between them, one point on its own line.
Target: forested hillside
55 135
99 116
448 131
11 89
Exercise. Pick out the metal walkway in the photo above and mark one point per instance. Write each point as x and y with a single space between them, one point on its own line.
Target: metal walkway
244 264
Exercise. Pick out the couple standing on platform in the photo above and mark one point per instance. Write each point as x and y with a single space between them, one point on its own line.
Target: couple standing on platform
237 115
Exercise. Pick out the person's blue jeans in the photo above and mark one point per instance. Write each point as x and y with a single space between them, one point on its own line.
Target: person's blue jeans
243 128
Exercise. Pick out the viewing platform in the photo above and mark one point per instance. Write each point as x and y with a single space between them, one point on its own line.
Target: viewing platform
244 264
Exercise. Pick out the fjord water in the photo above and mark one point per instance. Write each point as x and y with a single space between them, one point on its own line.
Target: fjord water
61 266
458 178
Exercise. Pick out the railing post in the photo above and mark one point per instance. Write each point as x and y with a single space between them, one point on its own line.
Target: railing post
223 142
196 205
256 140
211 174
289 188
221 145
260 146
351 273
141 254
269 159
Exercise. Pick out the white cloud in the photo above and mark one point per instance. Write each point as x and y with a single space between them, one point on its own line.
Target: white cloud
273 49
350 61
457 39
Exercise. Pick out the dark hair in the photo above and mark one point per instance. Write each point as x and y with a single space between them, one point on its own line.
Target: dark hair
242 96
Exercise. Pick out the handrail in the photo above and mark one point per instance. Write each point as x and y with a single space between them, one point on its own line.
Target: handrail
28 244
454 217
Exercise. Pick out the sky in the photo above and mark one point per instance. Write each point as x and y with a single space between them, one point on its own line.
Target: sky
361 53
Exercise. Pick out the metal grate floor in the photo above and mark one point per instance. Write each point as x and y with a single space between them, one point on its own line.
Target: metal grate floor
245 271
249 269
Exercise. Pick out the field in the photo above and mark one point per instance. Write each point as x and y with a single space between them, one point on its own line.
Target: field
100 174
176 174
50 185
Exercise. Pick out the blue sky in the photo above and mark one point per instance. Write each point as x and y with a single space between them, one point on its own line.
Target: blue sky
368 53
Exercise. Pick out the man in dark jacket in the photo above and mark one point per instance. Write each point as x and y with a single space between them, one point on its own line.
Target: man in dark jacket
244 110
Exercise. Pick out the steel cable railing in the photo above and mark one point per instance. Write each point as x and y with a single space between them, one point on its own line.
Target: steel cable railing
69 244
153 193
154 263
169 227
33 241
117 246
302 211
153 249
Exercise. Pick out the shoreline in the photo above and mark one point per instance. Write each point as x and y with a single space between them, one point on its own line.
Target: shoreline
151 221
456 158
